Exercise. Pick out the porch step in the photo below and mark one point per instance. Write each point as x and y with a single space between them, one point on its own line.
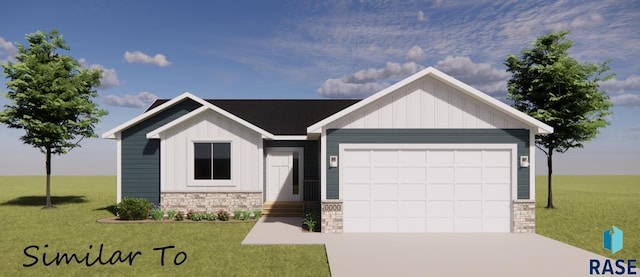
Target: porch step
283 208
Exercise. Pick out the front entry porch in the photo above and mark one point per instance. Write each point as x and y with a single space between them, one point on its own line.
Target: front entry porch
287 192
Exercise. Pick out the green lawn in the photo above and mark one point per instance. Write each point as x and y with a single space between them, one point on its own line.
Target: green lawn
586 206
212 249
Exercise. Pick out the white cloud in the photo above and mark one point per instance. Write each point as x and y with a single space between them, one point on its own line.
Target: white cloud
8 51
421 16
339 88
365 82
143 99
482 76
415 54
619 86
627 100
585 21
109 77
139 57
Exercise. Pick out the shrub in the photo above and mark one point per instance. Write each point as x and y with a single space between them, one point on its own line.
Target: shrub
157 214
180 216
246 215
223 215
310 219
237 214
195 216
257 214
209 216
134 208
171 214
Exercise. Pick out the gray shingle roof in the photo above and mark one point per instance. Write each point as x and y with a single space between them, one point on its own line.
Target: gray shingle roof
279 117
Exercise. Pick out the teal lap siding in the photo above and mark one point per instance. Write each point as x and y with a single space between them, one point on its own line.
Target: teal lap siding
141 156
449 136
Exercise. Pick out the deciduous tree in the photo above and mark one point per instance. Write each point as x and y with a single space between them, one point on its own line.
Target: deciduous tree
51 98
552 87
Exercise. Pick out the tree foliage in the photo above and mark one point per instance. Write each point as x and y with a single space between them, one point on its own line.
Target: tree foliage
553 87
51 97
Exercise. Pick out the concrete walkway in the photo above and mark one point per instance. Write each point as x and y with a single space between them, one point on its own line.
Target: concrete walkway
431 254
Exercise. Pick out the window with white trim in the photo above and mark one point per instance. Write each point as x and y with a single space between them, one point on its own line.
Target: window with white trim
212 161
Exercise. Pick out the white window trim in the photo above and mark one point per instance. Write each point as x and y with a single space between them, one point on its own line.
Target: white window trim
191 181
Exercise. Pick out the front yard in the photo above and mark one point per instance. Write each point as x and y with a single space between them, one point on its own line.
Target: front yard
586 206
37 238
31 235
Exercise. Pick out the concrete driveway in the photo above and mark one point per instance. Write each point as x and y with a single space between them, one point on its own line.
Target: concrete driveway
431 254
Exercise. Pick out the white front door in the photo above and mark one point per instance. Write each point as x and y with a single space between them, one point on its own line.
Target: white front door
284 175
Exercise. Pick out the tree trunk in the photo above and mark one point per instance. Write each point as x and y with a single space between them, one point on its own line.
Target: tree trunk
550 170
48 204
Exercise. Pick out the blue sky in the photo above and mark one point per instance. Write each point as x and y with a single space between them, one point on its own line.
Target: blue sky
319 49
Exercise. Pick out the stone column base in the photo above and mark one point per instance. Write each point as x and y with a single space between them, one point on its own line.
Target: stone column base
331 216
524 216
210 201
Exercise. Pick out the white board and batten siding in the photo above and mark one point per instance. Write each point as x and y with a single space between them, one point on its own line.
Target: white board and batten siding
177 154
427 103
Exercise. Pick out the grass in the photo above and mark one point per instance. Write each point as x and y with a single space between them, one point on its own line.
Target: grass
586 206
212 249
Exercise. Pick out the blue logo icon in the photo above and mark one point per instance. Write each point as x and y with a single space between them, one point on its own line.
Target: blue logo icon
612 239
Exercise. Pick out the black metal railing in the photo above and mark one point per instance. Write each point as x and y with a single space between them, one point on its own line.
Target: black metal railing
311 190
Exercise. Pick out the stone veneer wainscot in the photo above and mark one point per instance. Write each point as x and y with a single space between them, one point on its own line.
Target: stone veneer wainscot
211 201
331 216
524 216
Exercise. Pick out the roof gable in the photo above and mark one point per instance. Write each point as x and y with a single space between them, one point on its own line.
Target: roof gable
279 117
537 126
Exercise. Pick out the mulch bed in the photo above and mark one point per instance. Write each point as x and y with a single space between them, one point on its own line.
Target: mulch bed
116 220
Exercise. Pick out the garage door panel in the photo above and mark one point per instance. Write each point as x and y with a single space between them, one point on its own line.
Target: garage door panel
441 192
411 192
384 224
497 175
440 208
384 175
468 174
356 175
440 224
384 208
384 158
413 175
356 209
468 224
357 225
357 192
468 157
417 209
496 192
495 208
384 192
441 174
498 224
356 158
439 157
468 208
413 157
468 192
412 225
497 157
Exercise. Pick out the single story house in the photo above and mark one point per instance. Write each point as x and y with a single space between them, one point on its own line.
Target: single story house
427 154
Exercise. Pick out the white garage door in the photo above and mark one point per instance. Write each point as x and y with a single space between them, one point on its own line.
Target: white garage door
427 187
